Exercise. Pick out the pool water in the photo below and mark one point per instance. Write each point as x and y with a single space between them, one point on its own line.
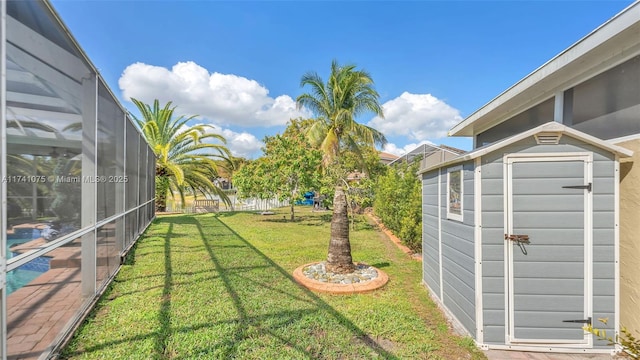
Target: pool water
19 277
12 242
26 273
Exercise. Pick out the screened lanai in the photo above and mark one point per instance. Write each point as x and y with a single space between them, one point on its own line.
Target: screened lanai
78 181
429 155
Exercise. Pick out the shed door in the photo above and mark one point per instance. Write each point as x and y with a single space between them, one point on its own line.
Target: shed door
548 199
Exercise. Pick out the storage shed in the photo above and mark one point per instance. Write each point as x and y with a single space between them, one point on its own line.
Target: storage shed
520 239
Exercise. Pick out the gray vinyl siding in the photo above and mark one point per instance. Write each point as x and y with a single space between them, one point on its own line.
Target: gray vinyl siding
458 269
457 237
492 216
430 239
493 281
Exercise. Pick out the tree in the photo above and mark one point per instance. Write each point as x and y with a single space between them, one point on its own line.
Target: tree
252 180
288 168
347 94
294 164
185 155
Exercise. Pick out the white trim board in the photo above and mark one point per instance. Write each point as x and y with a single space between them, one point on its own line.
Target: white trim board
477 239
547 127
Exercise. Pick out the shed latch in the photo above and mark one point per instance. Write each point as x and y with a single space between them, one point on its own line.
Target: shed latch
588 187
581 321
521 239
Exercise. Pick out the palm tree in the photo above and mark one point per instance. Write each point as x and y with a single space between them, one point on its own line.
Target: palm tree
347 94
185 157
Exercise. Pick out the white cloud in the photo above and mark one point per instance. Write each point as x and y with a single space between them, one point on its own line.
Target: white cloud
394 149
417 116
242 144
225 99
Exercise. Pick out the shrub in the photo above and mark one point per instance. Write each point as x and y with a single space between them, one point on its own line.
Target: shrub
629 343
398 203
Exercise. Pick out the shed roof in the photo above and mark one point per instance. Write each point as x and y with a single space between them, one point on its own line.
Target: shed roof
548 128
612 43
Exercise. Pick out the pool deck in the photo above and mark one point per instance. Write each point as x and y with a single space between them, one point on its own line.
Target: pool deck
37 312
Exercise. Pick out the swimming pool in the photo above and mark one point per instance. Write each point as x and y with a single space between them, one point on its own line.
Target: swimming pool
26 273
20 236
18 278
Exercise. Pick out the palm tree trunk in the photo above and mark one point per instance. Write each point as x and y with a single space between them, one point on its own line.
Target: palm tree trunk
339 258
162 187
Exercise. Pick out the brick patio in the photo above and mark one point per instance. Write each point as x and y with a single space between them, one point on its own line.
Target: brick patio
38 311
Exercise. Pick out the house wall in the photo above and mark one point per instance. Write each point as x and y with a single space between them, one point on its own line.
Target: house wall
493 281
629 243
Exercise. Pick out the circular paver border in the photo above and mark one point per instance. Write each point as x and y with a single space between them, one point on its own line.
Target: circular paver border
340 289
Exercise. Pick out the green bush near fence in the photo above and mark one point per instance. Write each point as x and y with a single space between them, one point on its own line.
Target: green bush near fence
398 203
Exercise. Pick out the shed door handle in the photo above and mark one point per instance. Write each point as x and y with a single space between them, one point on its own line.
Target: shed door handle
582 321
587 187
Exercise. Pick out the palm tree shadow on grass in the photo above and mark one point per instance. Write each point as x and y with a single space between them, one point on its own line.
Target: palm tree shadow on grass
240 333
229 346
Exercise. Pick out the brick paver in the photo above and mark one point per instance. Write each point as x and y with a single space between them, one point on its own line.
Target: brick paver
37 312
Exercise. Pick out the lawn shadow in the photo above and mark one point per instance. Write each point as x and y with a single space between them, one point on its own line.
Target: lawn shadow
315 300
273 323
164 315
381 265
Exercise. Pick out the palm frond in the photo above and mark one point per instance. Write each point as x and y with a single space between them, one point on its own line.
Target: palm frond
347 94
185 154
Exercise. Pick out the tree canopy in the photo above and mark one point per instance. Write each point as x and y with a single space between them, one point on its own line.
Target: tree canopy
185 154
288 168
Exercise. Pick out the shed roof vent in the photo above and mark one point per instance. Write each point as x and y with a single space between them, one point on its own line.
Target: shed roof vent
548 138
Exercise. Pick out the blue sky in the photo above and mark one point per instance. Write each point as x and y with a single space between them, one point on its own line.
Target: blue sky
238 64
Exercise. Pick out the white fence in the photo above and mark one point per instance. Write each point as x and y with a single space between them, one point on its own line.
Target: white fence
252 204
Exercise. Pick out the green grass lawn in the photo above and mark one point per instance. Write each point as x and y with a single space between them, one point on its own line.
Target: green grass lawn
220 287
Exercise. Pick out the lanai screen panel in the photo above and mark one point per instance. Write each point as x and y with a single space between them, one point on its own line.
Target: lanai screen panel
608 105
110 142
50 88
65 190
528 119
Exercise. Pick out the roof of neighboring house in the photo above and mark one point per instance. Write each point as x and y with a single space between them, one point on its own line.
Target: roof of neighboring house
386 157
612 43
549 128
